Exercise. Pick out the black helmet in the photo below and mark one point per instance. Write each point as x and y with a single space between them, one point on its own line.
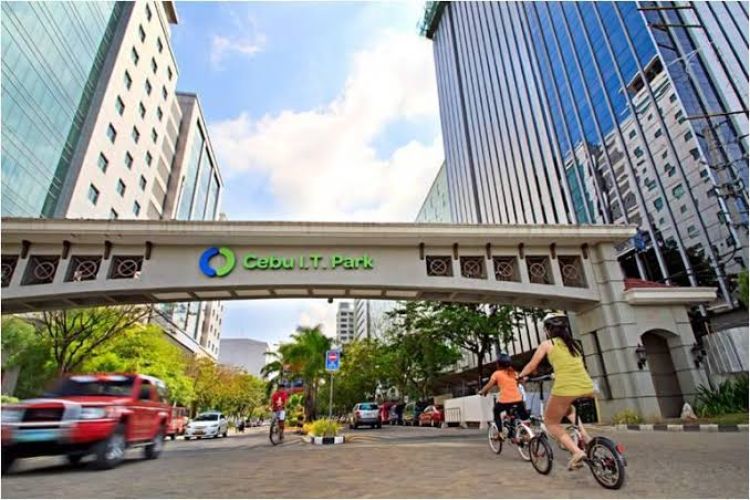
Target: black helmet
503 360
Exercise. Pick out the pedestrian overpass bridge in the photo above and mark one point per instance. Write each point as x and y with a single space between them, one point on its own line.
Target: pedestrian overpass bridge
63 263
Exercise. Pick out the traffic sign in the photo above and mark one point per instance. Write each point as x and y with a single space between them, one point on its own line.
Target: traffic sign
333 361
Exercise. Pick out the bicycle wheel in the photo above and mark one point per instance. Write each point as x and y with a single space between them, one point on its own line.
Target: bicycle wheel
524 435
275 433
541 454
495 439
606 463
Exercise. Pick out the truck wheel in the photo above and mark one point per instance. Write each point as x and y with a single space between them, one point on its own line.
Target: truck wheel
8 460
110 452
153 450
75 458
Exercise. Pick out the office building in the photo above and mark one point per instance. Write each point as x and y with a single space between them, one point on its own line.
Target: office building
93 126
246 354
436 207
345 323
371 318
605 112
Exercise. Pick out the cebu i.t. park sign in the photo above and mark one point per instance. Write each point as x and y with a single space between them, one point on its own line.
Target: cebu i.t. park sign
255 262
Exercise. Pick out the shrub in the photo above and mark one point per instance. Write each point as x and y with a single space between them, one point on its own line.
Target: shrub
627 417
729 397
324 428
8 399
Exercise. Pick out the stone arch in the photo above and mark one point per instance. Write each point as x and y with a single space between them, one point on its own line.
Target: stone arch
669 393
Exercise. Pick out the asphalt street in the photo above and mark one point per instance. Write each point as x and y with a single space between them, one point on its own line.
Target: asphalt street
392 462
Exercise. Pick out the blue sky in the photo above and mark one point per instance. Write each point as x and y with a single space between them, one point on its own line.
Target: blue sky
344 88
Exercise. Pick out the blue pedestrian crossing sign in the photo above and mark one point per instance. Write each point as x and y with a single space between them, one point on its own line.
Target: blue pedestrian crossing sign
333 361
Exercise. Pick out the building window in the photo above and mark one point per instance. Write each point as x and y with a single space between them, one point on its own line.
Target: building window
722 217
149 158
164 92
154 66
159 113
672 98
661 221
134 56
135 135
683 209
631 134
638 152
148 12
141 110
93 194
650 117
694 153
671 171
103 162
688 135
111 133
128 160
128 80
154 135
119 106
704 173
120 187
141 33
169 73
148 87
113 214
657 134
692 231
142 183
159 45
136 208
659 203
678 191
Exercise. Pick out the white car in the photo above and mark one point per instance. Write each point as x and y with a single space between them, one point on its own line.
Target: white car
207 424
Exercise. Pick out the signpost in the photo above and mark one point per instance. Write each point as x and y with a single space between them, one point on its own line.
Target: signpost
333 363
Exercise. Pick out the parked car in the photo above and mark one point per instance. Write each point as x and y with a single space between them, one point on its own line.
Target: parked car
100 415
412 412
432 416
207 424
365 414
178 422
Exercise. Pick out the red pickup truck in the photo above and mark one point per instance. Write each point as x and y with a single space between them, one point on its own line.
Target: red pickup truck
100 415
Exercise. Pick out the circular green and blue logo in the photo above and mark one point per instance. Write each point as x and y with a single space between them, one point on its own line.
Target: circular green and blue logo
210 253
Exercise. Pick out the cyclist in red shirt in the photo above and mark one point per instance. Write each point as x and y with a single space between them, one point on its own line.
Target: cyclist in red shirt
278 405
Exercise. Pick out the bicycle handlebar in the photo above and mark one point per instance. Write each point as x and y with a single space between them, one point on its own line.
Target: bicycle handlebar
541 378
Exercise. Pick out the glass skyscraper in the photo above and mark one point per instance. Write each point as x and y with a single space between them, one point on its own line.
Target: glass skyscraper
52 55
603 112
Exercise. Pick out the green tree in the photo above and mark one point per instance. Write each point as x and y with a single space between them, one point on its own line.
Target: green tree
145 349
75 335
28 354
743 287
363 367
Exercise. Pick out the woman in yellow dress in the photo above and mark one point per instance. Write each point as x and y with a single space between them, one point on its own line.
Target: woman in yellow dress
571 382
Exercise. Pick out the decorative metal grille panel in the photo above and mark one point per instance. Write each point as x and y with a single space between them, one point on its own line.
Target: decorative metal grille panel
473 267
40 270
83 268
572 271
506 269
439 266
9 263
540 271
126 267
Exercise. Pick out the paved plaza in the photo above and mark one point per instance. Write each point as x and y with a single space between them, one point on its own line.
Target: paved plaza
393 462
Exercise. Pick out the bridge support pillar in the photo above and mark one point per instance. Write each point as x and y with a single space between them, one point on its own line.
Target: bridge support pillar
612 331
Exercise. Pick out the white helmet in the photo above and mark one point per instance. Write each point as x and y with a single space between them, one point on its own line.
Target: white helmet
555 317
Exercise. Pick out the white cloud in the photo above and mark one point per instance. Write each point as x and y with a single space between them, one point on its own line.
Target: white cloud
322 164
247 45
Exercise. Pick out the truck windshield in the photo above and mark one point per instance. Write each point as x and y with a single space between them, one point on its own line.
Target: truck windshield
94 386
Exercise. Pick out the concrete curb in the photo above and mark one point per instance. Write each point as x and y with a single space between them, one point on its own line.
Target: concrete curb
323 440
683 427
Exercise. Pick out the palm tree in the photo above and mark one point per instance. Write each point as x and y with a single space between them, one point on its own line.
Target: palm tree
306 357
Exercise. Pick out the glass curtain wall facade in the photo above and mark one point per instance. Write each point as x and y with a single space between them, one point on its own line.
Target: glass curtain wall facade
52 57
582 112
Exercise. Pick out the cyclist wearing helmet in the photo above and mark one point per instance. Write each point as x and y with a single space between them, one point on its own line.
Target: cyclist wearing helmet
572 382
510 397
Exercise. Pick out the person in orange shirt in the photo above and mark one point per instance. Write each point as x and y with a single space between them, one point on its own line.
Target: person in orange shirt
510 397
